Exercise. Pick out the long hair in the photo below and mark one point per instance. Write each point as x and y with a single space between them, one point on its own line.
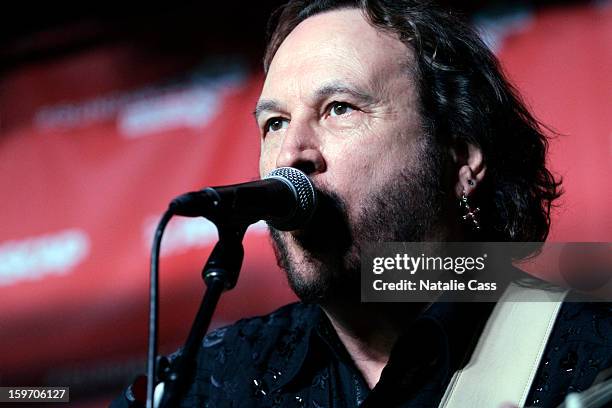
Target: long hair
464 99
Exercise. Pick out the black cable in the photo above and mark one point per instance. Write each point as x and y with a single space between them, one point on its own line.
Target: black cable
153 306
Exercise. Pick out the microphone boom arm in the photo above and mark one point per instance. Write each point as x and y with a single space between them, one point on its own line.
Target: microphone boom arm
220 273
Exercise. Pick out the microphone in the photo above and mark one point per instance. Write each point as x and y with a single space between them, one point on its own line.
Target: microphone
285 198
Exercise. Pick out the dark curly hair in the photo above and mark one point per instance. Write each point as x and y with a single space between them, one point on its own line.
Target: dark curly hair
464 98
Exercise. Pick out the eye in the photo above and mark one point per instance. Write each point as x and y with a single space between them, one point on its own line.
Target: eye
340 108
275 124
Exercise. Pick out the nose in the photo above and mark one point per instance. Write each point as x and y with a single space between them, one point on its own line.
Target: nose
301 149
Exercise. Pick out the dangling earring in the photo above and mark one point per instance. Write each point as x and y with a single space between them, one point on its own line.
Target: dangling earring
471 215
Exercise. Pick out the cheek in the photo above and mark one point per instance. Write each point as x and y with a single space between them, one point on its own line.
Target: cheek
350 171
269 150
361 169
363 159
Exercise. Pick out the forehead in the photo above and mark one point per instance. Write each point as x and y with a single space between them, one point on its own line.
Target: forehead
335 46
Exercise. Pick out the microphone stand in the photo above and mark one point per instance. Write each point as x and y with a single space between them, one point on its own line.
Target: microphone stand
220 273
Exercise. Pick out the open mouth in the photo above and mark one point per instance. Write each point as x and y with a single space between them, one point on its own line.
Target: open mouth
328 229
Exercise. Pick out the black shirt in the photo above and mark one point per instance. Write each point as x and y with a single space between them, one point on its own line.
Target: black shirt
293 358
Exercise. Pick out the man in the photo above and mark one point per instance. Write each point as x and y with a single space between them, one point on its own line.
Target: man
398 113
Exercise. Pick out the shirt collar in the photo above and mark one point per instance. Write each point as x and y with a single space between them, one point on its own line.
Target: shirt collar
290 357
461 324
449 330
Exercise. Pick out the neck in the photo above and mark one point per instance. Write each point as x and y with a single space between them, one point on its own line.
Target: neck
369 331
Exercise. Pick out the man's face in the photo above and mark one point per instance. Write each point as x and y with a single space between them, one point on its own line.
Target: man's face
339 102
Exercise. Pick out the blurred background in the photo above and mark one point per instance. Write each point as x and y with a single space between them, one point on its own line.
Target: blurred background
109 110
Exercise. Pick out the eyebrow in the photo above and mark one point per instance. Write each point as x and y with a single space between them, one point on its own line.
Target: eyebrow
327 90
264 105
338 87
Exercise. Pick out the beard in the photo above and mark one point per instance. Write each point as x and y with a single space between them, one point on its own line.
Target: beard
407 208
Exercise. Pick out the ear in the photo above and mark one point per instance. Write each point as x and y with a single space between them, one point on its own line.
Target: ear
471 169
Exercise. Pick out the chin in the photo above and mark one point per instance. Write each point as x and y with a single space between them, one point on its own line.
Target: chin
317 274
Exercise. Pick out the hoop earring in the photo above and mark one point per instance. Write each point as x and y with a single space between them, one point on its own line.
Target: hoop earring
471 215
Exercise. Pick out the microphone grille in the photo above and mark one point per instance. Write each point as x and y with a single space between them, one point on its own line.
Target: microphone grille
306 196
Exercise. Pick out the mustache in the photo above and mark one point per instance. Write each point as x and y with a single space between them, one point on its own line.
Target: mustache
328 229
